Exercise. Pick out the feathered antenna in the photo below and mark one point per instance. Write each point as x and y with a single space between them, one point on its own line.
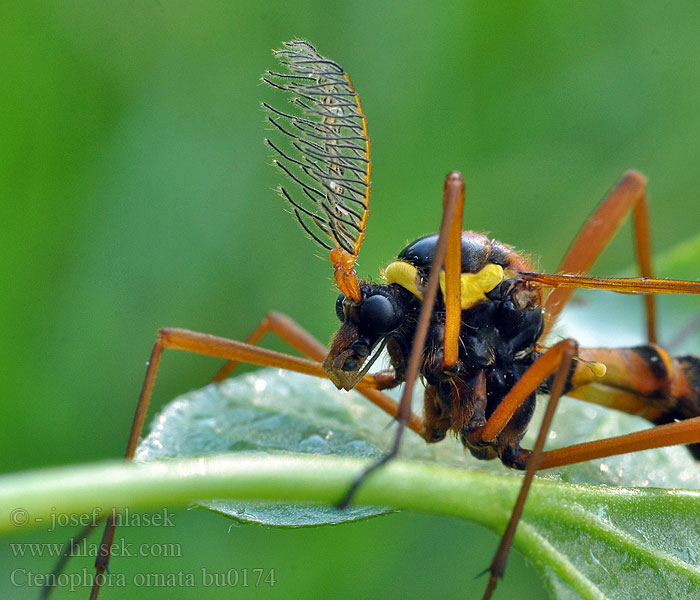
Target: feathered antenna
330 155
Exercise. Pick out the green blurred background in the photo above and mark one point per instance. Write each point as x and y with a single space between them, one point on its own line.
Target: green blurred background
137 193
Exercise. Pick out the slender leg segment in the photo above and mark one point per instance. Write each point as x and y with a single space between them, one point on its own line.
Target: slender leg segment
629 194
287 330
557 359
453 291
672 434
623 285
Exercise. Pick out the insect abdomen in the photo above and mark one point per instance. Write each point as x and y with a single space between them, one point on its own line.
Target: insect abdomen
643 381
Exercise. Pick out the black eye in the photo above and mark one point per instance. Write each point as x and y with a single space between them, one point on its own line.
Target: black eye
377 314
339 303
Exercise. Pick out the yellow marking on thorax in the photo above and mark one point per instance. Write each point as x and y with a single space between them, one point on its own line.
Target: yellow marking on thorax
405 275
474 286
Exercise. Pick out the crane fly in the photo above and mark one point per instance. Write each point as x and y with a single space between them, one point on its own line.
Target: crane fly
468 314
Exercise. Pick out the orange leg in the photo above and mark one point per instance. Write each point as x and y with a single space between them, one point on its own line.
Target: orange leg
672 434
622 285
287 330
629 194
199 343
453 291
556 360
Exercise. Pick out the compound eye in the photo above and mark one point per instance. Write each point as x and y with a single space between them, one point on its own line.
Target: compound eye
339 303
377 314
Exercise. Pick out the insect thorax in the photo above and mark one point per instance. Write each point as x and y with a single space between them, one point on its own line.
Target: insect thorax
502 316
